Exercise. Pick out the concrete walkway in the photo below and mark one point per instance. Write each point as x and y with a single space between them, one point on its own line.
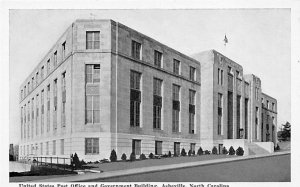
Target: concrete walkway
110 174
18 167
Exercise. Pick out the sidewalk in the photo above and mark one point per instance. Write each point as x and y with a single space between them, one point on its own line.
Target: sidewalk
110 174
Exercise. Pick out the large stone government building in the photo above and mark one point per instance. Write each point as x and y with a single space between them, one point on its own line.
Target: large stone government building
105 86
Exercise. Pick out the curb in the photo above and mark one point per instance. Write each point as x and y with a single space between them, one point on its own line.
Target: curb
119 173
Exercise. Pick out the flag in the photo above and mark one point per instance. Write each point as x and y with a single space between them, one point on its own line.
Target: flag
225 40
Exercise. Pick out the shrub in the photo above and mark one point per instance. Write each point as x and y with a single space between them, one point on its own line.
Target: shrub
183 153
224 151
82 162
75 161
96 162
214 150
151 155
207 152
231 151
193 153
113 156
277 148
240 151
124 157
132 157
104 160
169 154
190 153
165 156
200 151
142 157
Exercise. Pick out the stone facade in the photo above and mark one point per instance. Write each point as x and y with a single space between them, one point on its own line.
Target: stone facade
58 124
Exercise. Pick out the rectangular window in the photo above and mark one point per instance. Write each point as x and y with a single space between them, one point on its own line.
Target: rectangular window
62 146
136 50
37 78
41 145
32 116
256 122
238 116
21 123
32 83
176 66
220 113
48 67
92 146
135 98
63 48
47 148
157 103
48 108
192 94
268 105
220 76
92 91
42 112
176 90
158 147
42 73
54 148
37 115
55 59
55 104
176 108
92 39
246 118
29 88
192 147
192 73
136 147
157 58
63 106
177 148
273 106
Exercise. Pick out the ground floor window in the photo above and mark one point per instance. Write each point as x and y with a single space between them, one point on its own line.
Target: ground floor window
136 147
192 147
54 147
177 148
158 147
92 146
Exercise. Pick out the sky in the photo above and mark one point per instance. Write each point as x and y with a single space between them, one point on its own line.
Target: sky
258 39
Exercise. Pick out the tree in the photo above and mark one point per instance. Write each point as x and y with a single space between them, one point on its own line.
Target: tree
286 131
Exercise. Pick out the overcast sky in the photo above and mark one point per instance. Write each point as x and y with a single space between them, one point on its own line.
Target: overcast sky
259 40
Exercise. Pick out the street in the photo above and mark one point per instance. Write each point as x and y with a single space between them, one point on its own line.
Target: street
269 169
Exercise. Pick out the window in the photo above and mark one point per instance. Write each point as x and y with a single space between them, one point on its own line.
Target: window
63 106
157 58
135 98
41 145
176 66
176 108
220 113
55 59
42 73
48 108
21 94
177 148
268 105
220 76
48 67
37 115
54 148
21 123
55 104
47 148
62 146
29 88
157 103
32 83
92 91
136 147
256 122
192 73
136 50
273 106
36 78
93 40
158 147
25 91
92 146
42 112
32 116
192 147
192 94
63 48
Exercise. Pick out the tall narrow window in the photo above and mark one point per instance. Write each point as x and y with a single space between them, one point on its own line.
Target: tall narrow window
42 73
37 78
177 148
176 66
55 104
230 115
63 49
220 113
62 146
37 115
41 148
157 58
25 135
92 91
28 118
136 147
48 108
92 39
192 147
220 76
192 73
158 147
32 83
192 94
135 98
32 117
54 147
47 148
256 122
238 116
246 118
92 146
157 103
176 108
42 112
136 50
21 123
63 106
48 67
29 88
55 59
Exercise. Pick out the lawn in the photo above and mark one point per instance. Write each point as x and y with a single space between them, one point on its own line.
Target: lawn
122 165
